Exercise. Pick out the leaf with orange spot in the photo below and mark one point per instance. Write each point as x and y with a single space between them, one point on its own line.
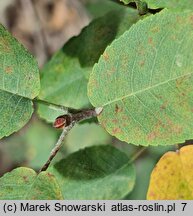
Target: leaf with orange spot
172 178
19 84
150 91
24 184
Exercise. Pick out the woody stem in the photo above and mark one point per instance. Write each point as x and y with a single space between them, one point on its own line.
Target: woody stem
75 118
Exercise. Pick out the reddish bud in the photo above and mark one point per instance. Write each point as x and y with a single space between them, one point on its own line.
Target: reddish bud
62 121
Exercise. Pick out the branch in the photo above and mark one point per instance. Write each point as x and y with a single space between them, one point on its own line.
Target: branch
67 122
137 154
56 106
57 146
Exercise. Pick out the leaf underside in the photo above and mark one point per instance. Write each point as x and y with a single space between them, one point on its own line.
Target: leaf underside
144 81
99 172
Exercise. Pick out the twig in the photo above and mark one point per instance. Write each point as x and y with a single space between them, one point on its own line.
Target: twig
67 122
56 106
57 146
137 154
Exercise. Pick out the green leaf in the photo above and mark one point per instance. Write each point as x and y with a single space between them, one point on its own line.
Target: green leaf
100 172
19 73
19 82
143 81
64 79
49 112
24 184
15 112
97 8
141 6
84 135
171 4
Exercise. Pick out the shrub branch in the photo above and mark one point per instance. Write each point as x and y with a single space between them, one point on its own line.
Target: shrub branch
66 122
57 146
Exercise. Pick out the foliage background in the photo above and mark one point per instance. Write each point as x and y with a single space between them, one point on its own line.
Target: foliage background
43 27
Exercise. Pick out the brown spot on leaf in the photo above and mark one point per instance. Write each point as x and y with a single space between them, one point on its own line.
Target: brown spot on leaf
164 105
150 41
29 78
94 83
115 121
157 131
155 29
5 45
49 175
142 63
181 197
191 19
152 194
8 70
116 131
151 136
106 56
125 118
179 82
177 129
25 178
103 123
174 127
118 109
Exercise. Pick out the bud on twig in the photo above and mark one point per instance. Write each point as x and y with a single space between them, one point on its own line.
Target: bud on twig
65 120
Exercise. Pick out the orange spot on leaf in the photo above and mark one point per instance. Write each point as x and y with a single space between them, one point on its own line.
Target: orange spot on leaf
8 70
106 56
141 63
25 178
116 131
115 121
118 109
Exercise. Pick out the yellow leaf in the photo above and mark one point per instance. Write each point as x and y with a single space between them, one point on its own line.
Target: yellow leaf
172 177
